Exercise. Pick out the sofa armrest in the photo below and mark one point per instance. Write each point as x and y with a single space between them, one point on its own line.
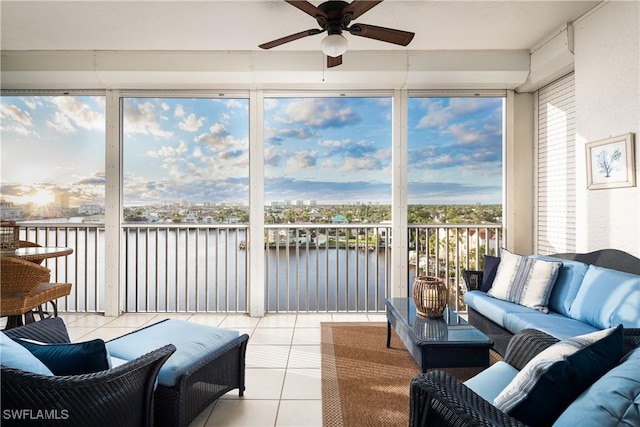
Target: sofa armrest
525 345
51 330
472 279
631 339
437 398
121 396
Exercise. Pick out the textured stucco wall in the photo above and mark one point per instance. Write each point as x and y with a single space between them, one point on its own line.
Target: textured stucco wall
607 73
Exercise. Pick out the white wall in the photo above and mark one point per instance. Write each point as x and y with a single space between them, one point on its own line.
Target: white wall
607 73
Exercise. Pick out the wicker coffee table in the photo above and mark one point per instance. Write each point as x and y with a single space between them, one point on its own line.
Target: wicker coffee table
447 342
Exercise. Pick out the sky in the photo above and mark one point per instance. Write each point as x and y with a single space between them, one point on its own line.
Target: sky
196 150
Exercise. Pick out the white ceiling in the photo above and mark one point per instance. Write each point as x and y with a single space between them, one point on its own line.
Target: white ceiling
243 25
238 26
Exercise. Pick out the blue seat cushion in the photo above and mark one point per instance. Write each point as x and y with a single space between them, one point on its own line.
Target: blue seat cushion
600 406
13 355
554 324
567 284
493 308
193 342
608 298
490 382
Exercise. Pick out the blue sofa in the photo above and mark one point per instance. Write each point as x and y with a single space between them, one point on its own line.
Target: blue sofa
591 292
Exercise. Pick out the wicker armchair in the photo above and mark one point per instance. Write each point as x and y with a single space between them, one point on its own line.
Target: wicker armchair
121 396
439 399
25 287
28 244
18 280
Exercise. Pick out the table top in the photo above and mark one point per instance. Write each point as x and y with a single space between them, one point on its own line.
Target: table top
448 329
38 252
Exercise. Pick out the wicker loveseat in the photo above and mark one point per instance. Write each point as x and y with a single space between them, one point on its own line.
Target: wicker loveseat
590 293
439 399
120 396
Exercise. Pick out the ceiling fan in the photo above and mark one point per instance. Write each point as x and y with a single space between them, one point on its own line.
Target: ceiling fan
334 17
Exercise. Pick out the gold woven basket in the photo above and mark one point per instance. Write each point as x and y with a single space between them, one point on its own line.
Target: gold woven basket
430 295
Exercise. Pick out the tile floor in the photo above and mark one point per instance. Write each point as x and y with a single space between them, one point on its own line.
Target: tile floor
283 386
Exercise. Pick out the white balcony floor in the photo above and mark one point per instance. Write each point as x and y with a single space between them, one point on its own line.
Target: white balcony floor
283 384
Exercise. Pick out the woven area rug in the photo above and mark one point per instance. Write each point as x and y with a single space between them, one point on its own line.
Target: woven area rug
364 383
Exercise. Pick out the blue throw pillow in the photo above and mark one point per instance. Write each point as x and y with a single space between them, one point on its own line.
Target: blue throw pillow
553 379
13 355
489 274
70 358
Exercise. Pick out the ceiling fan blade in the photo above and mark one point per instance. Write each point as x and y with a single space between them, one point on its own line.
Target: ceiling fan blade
307 8
290 38
388 35
359 7
334 62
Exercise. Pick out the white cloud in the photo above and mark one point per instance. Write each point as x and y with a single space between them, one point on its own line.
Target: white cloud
234 103
191 124
169 152
272 156
61 123
464 135
318 113
72 112
352 164
218 138
142 119
382 154
302 160
13 119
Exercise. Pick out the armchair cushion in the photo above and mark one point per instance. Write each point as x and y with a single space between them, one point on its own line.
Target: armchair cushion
553 379
524 280
70 358
489 383
13 355
605 407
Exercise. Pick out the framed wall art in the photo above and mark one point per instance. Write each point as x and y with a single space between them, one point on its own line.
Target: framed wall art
610 162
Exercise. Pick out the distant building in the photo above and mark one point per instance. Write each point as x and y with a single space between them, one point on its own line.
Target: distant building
340 219
189 219
233 219
90 209
9 211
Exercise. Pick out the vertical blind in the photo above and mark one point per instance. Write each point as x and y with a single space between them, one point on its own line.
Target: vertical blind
556 213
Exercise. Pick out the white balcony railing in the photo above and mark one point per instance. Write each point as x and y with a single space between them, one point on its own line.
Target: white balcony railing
308 268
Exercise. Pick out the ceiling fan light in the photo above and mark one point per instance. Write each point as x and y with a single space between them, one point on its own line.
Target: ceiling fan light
334 45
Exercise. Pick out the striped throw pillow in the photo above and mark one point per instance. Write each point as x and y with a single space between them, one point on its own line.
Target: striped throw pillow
553 379
524 280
